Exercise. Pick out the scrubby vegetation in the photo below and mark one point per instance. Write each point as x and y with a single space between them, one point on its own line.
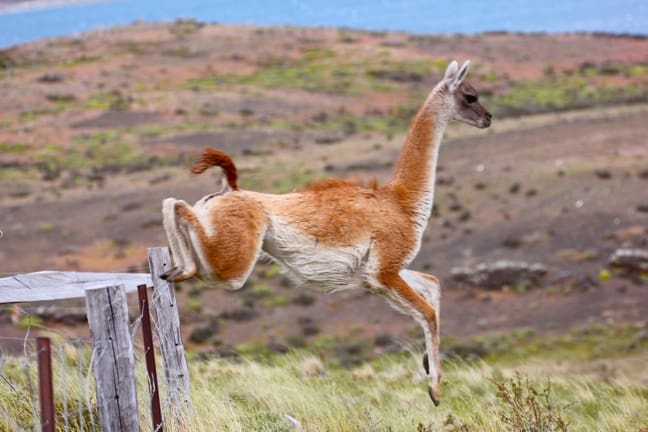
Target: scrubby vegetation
565 92
324 70
277 88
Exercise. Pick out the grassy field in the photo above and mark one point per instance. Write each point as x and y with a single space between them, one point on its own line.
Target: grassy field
594 379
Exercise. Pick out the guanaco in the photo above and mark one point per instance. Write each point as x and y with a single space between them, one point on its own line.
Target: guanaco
338 234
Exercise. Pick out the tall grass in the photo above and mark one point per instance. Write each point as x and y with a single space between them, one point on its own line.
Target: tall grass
390 395
301 391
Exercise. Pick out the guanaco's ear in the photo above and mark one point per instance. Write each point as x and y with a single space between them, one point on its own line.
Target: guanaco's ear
450 71
459 77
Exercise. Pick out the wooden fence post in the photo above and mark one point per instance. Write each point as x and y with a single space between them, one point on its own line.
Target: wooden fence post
168 332
113 364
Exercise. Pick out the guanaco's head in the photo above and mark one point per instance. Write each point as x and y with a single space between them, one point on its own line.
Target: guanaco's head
462 100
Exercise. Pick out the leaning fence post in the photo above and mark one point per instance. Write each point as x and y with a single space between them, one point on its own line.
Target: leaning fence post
168 331
113 364
149 352
45 384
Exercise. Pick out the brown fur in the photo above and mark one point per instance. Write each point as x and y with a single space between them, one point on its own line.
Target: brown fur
320 185
243 221
338 212
412 168
395 282
214 157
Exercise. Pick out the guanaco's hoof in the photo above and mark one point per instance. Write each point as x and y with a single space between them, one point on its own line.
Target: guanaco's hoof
171 274
426 364
434 395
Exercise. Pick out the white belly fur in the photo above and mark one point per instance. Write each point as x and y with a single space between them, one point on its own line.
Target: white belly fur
312 263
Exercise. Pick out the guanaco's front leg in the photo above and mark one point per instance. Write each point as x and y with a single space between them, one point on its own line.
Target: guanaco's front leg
412 302
429 288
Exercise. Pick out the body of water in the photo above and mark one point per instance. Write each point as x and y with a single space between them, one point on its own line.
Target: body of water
24 22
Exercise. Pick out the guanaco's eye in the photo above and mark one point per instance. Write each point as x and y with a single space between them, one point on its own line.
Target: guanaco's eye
471 98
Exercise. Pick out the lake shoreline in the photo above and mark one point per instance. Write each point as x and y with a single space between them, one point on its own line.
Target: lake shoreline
24 21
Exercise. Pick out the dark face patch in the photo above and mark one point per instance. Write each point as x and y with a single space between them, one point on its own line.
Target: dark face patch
468 108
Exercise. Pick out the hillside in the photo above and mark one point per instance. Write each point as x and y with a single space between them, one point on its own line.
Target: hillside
96 130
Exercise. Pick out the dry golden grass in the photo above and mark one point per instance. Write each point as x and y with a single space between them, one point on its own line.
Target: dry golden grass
301 391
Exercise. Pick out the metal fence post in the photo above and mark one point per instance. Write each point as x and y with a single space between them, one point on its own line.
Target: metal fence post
149 352
45 384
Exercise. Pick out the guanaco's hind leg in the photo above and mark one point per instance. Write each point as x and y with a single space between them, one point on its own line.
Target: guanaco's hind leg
174 216
168 219
226 250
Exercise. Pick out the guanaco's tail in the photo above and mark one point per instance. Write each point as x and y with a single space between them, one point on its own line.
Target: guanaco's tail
219 158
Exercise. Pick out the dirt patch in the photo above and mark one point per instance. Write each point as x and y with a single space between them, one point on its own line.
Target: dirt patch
120 119
235 142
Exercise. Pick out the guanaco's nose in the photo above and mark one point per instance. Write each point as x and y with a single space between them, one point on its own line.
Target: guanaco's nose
487 120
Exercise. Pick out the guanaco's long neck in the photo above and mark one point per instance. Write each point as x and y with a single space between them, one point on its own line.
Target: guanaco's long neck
415 171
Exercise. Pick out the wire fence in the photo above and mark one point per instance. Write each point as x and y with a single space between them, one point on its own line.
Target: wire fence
79 395
75 392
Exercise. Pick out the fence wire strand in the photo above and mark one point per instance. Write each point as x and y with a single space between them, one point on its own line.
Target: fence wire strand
88 387
62 360
81 373
32 393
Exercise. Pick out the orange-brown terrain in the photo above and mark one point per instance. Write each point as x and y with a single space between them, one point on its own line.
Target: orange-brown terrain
96 130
